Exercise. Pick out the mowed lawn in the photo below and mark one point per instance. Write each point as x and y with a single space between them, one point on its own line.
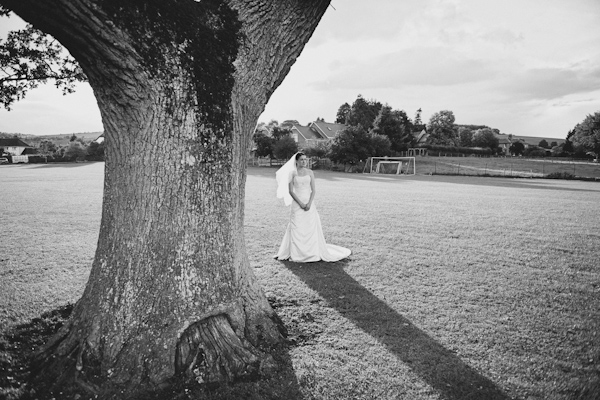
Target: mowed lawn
508 167
458 287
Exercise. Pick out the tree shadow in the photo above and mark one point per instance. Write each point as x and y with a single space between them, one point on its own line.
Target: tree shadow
437 366
64 164
506 182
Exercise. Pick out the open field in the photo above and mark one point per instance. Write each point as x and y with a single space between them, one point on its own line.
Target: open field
479 288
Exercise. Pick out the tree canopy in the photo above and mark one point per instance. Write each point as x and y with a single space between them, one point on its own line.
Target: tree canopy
485 138
587 134
355 144
517 148
465 136
343 113
264 144
396 125
278 143
285 147
442 130
28 58
362 112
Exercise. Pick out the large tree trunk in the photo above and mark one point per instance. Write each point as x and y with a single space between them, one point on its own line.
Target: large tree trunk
180 85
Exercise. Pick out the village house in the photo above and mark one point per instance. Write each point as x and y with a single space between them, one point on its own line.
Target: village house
318 132
504 143
14 146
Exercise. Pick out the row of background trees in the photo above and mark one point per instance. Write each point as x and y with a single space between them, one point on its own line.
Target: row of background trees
585 136
373 130
77 149
376 129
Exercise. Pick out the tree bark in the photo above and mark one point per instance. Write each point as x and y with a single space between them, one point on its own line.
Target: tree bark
180 85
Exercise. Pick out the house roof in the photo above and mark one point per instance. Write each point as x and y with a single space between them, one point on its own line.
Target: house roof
306 132
13 142
422 136
28 151
327 129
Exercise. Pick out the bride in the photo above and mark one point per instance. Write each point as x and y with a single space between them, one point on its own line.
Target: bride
303 240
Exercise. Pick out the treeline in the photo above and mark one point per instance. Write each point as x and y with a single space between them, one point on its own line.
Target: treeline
77 149
582 142
374 129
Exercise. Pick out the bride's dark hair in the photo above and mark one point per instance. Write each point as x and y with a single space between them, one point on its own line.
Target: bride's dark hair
299 154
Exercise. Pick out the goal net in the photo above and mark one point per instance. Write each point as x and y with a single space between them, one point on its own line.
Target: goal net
390 165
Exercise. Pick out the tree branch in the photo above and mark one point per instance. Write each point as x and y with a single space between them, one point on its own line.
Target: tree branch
29 57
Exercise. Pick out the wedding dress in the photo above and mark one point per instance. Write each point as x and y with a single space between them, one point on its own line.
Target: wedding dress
303 240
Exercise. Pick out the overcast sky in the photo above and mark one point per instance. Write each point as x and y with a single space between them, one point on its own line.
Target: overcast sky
526 67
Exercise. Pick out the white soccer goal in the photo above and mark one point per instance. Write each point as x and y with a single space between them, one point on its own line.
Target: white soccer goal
390 165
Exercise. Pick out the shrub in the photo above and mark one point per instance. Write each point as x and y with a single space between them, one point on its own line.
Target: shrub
284 148
534 151
455 150
485 138
264 145
95 152
37 159
354 144
321 163
75 151
560 175
318 151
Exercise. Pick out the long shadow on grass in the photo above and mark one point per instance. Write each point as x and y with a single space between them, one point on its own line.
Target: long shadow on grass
64 164
508 182
436 365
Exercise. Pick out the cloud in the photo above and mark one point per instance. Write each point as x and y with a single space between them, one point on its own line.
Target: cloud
357 20
553 82
563 103
502 36
431 66
45 111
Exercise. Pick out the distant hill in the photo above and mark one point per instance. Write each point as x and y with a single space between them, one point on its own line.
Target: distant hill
532 140
59 140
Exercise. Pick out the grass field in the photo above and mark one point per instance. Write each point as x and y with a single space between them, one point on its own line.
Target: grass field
507 167
458 287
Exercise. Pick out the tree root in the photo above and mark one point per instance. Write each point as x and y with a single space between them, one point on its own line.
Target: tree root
210 351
